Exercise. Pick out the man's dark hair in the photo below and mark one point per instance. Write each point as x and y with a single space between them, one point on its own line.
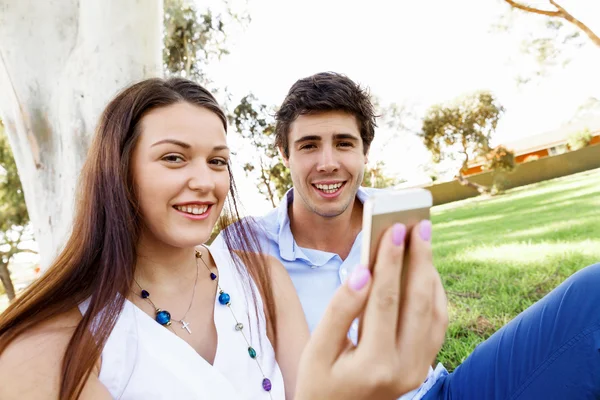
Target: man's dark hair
325 91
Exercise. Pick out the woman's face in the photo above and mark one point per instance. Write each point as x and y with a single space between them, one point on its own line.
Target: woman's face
179 167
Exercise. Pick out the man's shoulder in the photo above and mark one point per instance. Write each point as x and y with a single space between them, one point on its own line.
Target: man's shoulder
264 227
269 220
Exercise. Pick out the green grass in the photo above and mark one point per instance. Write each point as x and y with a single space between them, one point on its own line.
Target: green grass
497 256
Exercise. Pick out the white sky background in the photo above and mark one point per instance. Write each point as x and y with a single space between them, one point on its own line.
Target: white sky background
409 52
417 53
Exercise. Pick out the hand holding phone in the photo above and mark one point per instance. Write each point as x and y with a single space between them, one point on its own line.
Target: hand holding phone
384 209
404 321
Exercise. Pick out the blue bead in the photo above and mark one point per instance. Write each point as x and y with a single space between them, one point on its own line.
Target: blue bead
251 352
213 276
145 294
163 317
266 383
224 298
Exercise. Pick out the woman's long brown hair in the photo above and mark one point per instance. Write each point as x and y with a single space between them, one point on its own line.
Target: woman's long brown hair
98 260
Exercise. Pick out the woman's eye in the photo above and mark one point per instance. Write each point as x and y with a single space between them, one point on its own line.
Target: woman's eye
173 158
219 162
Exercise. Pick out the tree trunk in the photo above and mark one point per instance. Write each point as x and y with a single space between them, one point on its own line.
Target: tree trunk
6 281
60 63
465 182
267 183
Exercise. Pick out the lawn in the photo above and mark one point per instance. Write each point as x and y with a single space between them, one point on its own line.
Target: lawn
497 256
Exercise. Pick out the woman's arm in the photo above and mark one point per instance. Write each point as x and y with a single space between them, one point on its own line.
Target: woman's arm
31 365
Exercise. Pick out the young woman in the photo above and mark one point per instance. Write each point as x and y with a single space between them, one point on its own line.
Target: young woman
132 303
134 308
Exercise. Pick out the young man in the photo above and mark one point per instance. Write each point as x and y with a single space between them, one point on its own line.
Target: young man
324 129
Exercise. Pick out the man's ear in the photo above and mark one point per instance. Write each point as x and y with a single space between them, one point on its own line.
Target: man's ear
286 161
367 157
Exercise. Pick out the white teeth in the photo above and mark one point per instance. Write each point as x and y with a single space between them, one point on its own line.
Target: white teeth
329 188
196 210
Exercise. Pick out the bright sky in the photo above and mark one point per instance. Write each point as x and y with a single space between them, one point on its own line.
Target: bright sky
414 52
418 52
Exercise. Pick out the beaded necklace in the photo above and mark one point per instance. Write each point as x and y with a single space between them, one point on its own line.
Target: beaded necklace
163 317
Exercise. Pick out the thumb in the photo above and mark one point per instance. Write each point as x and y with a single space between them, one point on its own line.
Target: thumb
329 338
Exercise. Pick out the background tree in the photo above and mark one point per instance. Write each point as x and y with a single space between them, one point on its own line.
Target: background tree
461 130
559 33
579 140
14 219
50 116
193 39
255 124
500 161
376 177
59 67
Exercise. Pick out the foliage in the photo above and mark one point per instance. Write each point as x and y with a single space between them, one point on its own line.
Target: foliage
500 159
192 40
462 127
579 140
13 211
256 125
375 177
553 41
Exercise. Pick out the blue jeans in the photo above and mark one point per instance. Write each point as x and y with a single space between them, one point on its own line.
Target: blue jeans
549 351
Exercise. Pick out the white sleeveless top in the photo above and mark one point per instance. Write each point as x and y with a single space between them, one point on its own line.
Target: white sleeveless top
143 360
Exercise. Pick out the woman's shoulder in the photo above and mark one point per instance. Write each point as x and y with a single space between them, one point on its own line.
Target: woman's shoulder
33 360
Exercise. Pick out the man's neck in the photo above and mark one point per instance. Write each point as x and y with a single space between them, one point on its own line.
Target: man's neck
333 235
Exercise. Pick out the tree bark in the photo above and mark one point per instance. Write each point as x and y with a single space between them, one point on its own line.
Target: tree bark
560 12
567 16
465 182
267 183
6 281
60 63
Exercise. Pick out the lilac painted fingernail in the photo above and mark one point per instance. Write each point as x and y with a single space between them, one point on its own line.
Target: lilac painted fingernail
425 230
398 234
359 278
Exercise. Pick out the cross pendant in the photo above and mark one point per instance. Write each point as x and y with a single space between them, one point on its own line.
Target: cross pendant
185 326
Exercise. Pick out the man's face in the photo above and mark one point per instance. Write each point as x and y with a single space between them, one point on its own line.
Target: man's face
326 161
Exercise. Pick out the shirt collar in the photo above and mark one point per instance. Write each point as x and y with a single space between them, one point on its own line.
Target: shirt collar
288 249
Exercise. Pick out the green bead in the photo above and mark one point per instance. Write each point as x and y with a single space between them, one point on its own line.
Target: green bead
251 352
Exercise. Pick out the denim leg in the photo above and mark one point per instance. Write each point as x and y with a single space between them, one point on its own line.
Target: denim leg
549 351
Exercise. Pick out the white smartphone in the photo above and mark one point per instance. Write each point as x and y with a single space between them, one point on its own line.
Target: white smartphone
384 209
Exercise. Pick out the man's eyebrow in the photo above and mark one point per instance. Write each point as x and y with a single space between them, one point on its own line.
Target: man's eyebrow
347 136
308 138
317 138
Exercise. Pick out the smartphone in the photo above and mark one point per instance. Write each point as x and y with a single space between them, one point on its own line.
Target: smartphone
384 209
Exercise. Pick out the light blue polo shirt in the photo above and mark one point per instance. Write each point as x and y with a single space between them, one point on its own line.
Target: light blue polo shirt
317 274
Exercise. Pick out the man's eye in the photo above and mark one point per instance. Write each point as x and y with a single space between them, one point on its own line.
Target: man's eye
346 144
307 146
